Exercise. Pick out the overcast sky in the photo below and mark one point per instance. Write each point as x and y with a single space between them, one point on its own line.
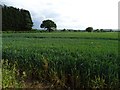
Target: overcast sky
71 14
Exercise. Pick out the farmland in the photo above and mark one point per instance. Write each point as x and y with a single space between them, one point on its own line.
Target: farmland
61 59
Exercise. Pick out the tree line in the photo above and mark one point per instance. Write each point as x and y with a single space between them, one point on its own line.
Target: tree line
14 19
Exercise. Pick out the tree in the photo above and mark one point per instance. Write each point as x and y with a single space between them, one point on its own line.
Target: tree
89 29
26 20
15 19
49 24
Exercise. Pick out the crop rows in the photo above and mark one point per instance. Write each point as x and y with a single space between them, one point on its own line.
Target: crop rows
85 61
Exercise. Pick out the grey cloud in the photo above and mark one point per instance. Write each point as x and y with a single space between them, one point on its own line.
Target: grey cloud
68 13
42 15
51 14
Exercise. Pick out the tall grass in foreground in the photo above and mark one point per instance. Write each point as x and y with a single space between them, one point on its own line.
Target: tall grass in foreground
61 62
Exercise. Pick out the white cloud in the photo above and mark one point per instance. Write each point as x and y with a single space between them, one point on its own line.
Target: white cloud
75 14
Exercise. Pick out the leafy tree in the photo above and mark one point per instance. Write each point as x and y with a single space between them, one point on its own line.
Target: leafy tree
101 30
89 29
15 19
26 19
49 24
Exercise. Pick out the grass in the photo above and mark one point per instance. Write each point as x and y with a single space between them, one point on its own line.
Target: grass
62 59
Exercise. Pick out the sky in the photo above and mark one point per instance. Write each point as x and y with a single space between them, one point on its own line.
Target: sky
71 14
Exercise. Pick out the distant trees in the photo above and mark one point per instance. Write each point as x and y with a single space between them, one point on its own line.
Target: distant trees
89 29
15 19
49 24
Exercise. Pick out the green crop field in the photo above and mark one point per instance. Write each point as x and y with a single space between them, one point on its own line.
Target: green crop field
61 59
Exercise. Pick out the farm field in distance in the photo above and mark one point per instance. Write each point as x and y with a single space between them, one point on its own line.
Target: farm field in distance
60 59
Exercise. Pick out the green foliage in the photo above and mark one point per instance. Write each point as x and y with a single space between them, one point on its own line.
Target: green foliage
89 29
9 76
49 24
14 19
64 59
